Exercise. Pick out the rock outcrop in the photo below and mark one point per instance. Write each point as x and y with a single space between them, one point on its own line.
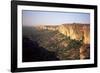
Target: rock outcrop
76 31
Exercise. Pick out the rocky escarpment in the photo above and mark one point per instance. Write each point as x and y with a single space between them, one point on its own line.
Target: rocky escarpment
76 31
63 42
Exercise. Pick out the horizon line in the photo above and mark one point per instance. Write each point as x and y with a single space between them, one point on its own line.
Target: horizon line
56 24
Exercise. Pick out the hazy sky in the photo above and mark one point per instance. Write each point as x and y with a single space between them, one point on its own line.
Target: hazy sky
31 18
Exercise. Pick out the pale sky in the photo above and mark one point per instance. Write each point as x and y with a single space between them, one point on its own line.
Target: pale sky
32 18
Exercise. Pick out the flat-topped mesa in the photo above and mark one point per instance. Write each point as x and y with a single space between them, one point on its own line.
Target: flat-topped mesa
53 28
49 27
76 31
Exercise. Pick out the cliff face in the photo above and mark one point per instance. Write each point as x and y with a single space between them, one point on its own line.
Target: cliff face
57 40
86 34
76 31
85 51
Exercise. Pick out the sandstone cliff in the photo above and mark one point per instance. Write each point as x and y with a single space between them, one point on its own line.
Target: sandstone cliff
76 31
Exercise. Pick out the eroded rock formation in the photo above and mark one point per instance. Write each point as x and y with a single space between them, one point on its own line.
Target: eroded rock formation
76 31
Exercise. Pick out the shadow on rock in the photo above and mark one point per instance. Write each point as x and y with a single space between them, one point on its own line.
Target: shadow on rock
33 52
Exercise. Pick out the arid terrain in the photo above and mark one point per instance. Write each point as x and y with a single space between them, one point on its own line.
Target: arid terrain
56 42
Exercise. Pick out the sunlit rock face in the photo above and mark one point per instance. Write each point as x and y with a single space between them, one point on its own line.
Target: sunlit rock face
86 34
76 31
85 51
